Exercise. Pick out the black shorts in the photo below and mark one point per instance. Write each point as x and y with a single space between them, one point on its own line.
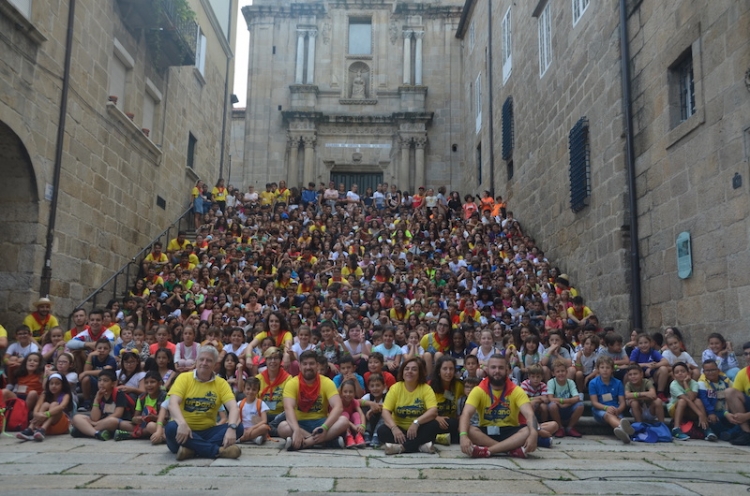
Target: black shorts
505 432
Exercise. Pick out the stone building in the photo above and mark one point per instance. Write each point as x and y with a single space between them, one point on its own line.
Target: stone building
122 179
553 120
354 91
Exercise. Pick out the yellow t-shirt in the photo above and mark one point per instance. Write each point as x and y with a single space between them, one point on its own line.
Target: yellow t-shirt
267 197
406 406
274 399
283 196
320 409
285 336
219 194
345 271
3 332
196 192
742 381
175 245
201 400
447 401
505 414
38 329
160 259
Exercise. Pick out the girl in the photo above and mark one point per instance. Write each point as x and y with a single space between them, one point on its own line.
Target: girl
675 353
53 346
163 363
304 342
720 350
485 350
63 366
448 390
231 371
187 351
237 344
390 351
684 403
139 336
51 415
130 377
258 363
358 348
529 356
27 382
412 347
353 413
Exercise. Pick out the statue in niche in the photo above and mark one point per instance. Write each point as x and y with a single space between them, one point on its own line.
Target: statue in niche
359 90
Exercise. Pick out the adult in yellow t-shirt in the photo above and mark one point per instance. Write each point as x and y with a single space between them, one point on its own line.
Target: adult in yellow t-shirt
219 195
41 320
313 408
409 412
738 403
194 404
272 382
498 402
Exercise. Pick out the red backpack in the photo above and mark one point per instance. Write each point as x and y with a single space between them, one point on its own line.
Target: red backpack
14 414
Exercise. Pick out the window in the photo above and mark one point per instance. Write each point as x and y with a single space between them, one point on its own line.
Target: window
507 51
478 102
192 142
200 52
360 36
149 109
686 86
580 172
508 129
23 6
120 65
472 36
579 7
479 163
545 40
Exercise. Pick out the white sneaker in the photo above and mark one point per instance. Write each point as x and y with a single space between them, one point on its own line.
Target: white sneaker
625 424
289 444
259 440
393 449
622 435
427 448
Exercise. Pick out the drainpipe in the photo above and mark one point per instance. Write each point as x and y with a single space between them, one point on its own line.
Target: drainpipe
489 80
635 266
226 97
44 288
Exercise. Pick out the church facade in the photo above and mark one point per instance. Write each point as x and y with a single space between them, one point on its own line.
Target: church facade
355 92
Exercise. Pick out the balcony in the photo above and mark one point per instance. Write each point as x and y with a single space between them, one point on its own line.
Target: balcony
169 26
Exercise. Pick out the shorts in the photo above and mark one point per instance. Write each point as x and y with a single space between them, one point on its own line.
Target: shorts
61 427
567 411
599 415
505 432
311 425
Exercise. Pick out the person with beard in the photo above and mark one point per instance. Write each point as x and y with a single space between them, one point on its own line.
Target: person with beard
312 407
499 403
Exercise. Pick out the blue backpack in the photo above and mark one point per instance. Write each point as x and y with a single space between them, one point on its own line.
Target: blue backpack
651 433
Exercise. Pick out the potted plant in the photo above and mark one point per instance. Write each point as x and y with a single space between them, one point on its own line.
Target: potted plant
145 131
130 115
113 99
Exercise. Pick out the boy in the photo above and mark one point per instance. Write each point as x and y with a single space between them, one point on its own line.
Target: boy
712 389
110 409
372 404
641 396
536 390
97 362
330 348
17 351
390 351
469 384
608 399
346 371
471 367
584 368
620 359
254 416
564 401
684 403
149 415
375 366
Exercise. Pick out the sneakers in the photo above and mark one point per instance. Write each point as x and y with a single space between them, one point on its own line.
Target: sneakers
393 449
375 441
560 432
480 452
103 435
259 440
359 441
289 446
121 435
573 433
663 396
85 407
25 435
742 439
679 435
232 451
337 443
443 439
517 453
622 435
39 435
710 436
184 453
428 448
544 442
350 441
74 432
625 425
368 439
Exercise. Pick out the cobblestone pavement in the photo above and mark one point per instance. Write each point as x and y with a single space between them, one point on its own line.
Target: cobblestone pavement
593 465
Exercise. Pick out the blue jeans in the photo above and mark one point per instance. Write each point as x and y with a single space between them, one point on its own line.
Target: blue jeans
205 443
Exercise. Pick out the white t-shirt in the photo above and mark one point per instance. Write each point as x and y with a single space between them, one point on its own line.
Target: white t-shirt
17 350
133 382
351 195
229 348
250 411
297 349
684 357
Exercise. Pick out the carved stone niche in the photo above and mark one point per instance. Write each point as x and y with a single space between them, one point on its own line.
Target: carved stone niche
358 88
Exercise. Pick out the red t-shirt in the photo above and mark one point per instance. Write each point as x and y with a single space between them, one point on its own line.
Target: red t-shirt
155 347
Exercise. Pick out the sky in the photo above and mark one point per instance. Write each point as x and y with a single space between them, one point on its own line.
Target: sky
241 57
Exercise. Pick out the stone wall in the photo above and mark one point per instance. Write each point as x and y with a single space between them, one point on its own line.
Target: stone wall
111 173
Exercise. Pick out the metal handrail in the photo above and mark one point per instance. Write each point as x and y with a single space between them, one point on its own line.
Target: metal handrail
135 260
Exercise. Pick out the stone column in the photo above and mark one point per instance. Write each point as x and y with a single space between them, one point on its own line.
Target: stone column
419 173
311 55
300 57
293 168
404 166
418 59
309 172
407 56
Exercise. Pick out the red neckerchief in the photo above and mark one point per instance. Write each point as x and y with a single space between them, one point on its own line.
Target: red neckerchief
280 378
43 324
96 338
485 385
74 332
308 395
444 343
279 338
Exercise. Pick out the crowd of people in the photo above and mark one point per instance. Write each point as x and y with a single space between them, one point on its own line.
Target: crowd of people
386 319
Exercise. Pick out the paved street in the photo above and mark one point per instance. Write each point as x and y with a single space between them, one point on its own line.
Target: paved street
594 465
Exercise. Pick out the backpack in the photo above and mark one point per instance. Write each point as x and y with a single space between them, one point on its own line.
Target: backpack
651 433
258 405
129 405
14 414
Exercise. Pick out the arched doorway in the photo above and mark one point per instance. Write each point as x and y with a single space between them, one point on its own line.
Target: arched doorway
19 229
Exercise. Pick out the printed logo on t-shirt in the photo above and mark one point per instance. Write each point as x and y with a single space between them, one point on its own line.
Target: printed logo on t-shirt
200 405
416 409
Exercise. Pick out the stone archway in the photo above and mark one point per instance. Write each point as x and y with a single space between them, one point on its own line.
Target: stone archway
19 228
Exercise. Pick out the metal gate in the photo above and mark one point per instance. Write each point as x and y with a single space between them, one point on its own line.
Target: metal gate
363 180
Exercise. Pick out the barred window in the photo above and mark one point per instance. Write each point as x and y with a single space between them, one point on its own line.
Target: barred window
580 170
508 128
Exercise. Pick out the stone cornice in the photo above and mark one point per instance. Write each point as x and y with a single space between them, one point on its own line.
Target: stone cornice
321 118
294 10
303 88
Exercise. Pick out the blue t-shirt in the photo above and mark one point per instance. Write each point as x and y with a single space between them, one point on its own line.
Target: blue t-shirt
639 357
388 354
614 388
338 379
